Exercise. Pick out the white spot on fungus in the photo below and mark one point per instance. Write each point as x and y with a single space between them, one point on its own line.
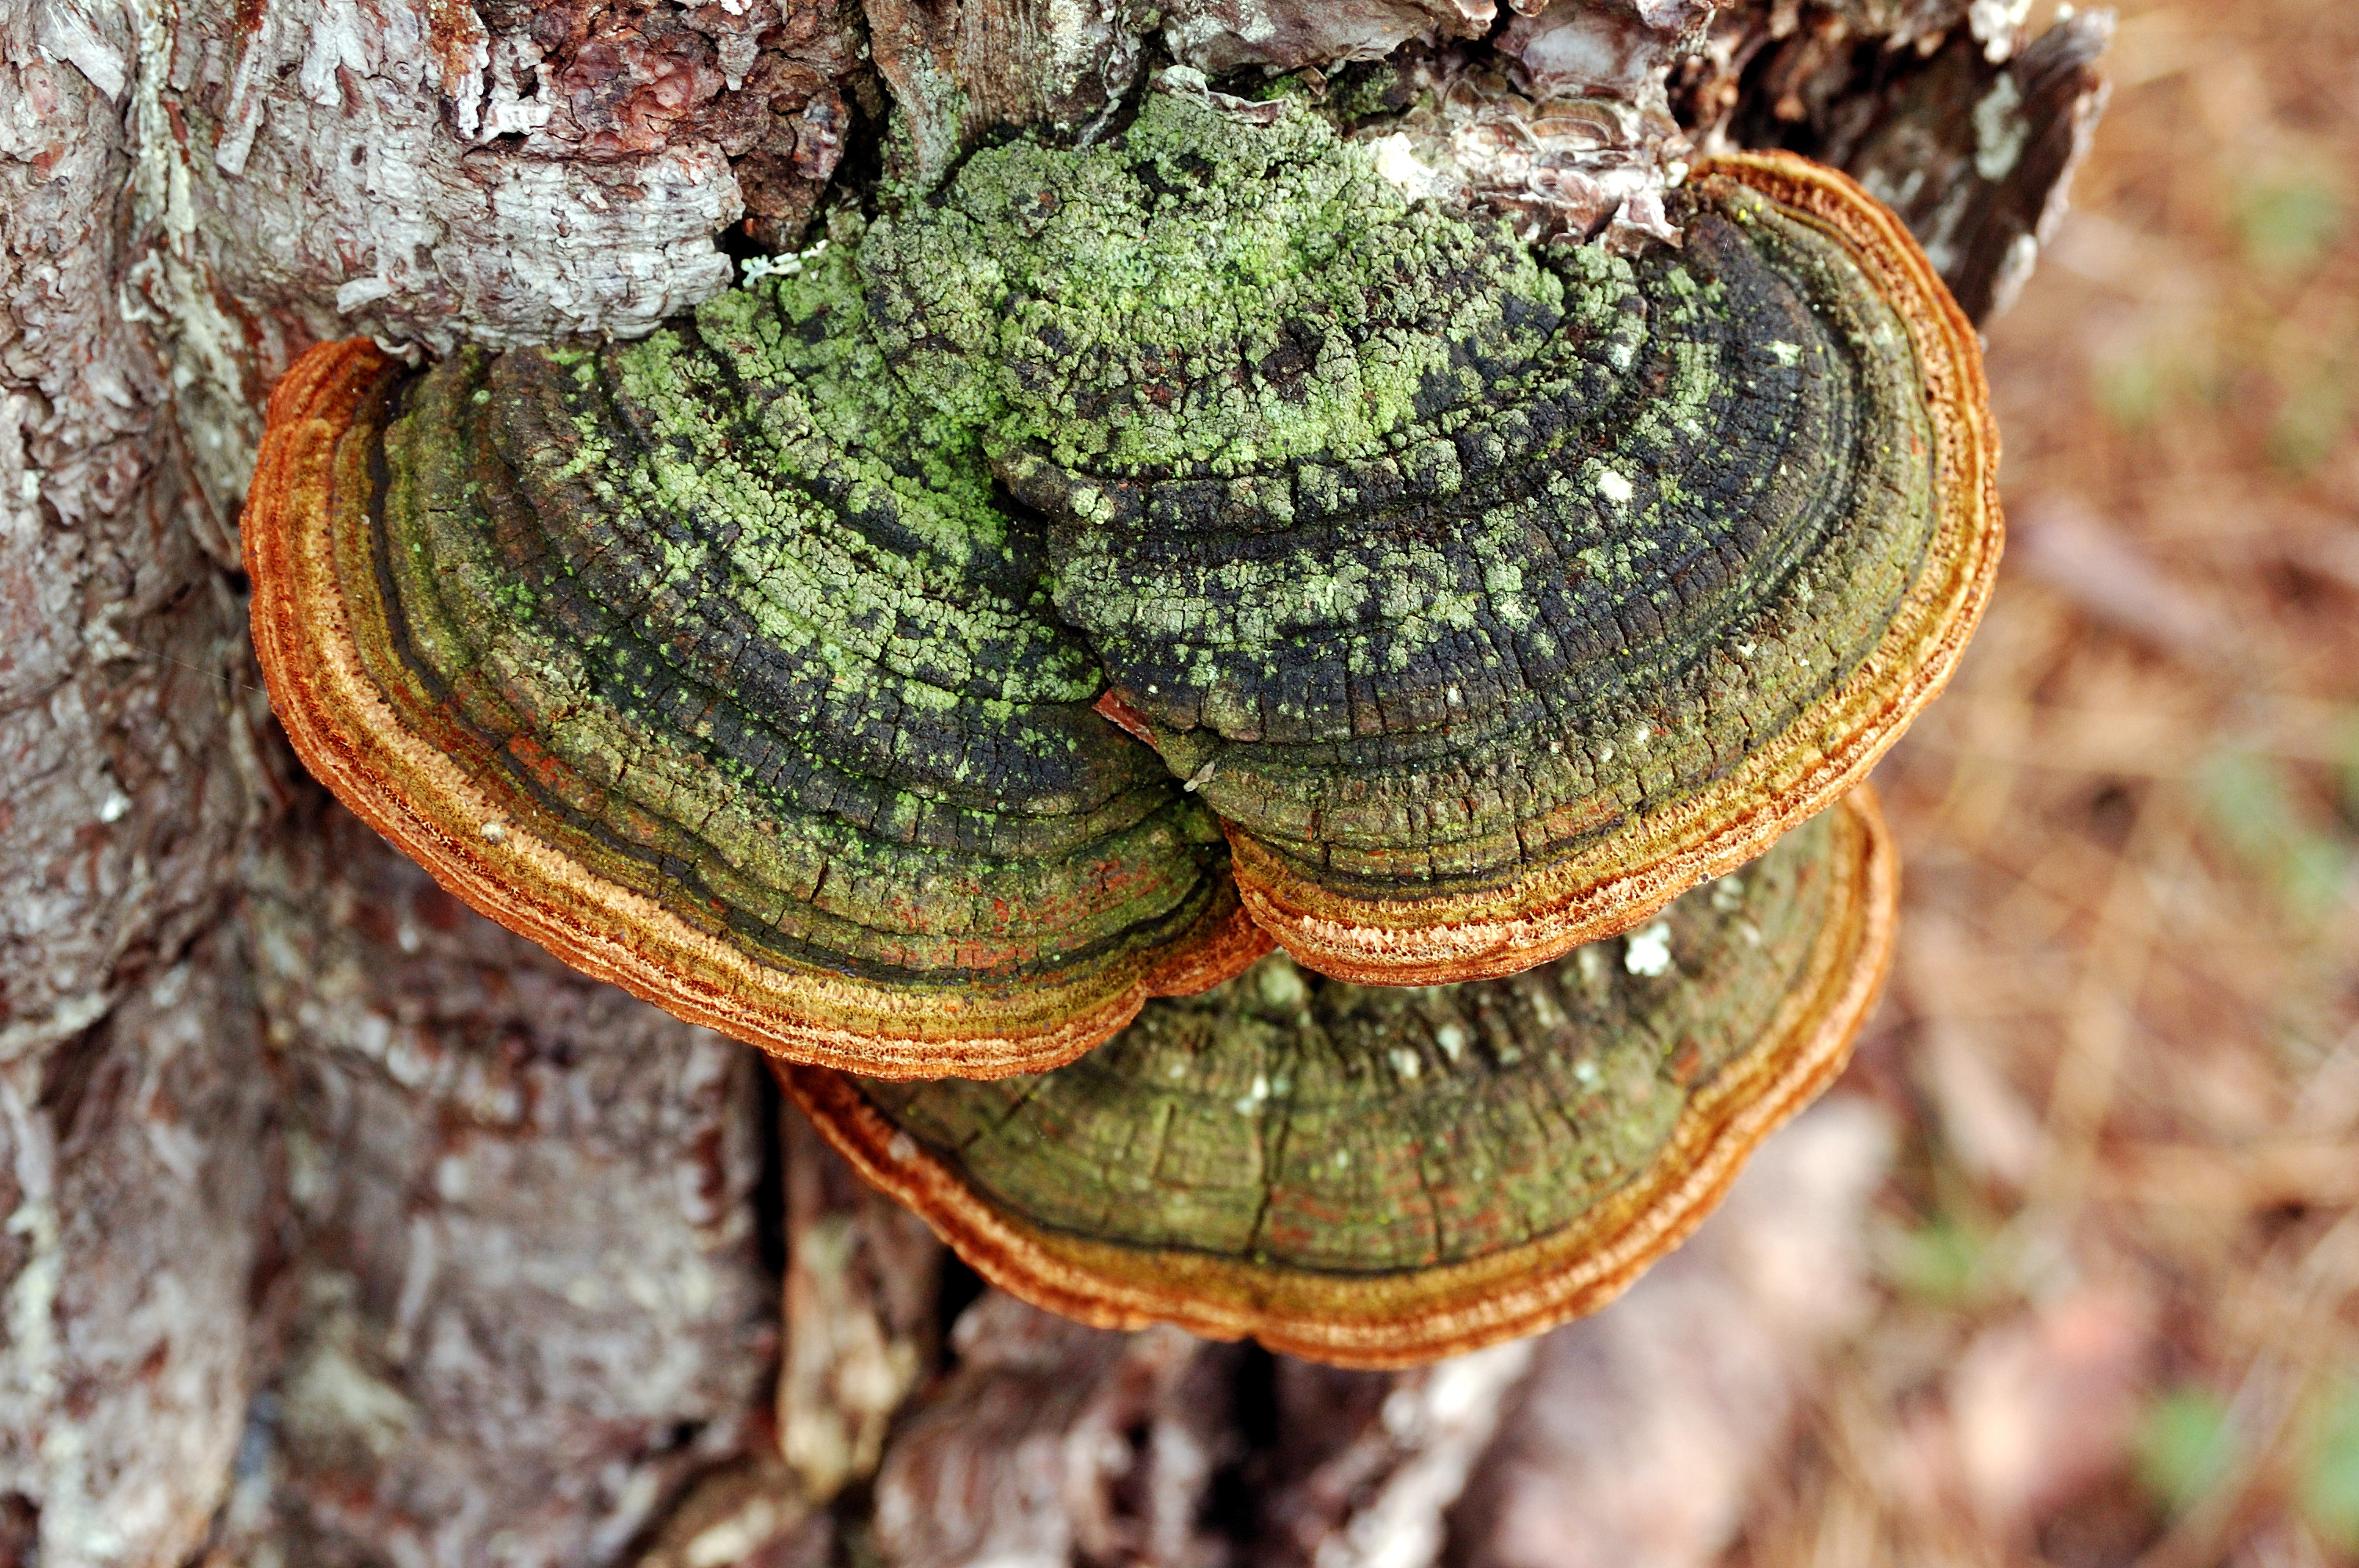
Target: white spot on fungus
1400 166
1648 951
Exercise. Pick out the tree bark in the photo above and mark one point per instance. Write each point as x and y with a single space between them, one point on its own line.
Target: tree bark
135 1105
529 1300
340 1226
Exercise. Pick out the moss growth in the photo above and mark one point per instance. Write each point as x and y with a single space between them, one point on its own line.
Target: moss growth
1426 554
1206 294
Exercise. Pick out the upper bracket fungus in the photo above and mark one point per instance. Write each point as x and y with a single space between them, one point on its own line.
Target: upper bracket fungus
1378 1177
1470 598
1492 594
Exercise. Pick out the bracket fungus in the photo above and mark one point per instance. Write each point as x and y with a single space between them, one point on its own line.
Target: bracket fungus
1491 595
713 705
1380 1176
1460 600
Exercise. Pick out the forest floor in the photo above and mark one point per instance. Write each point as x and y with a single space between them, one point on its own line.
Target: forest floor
2117 1264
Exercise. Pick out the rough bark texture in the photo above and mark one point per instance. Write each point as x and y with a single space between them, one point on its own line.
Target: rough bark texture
862 1280
1053 1441
1973 142
342 1228
505 1211
530 1300
133 1099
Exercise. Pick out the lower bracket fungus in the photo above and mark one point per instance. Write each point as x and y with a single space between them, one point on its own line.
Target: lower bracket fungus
1378 1177
1460 599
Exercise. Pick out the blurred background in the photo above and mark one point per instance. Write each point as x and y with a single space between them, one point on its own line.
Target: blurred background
2109 1280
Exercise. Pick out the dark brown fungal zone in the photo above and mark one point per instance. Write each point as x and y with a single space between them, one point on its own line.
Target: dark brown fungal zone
613 569
1309 1125
1426 556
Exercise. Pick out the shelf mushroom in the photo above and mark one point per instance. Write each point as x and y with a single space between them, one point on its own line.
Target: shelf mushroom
1492 594
718 707
1382 1176
1454 601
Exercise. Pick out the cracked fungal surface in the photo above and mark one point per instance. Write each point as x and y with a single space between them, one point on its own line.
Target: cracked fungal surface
753 620
1311 1123
1437 572
1446 568
1287 1152
747 702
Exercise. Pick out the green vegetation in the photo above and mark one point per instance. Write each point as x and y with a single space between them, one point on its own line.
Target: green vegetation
2184 1444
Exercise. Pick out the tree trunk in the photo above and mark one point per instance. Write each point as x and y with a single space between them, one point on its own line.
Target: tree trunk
342 1227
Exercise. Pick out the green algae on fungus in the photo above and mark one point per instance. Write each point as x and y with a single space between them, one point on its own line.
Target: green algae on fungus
686 660
1471 599
1491 595
1382 1175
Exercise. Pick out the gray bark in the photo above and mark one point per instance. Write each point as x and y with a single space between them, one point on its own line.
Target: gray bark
340 1226
135 1099
528 1302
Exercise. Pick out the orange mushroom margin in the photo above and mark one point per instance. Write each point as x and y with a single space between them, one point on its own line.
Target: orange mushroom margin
1411 1318
1824 753
367 729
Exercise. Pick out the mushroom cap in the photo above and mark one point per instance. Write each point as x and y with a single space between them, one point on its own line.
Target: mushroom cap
668 657
1378 1177
1467 600
1492 594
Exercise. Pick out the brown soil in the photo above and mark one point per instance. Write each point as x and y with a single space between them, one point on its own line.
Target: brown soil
2121 1257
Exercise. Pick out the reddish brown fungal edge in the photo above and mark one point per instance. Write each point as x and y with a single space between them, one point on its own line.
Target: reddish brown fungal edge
1399 1315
